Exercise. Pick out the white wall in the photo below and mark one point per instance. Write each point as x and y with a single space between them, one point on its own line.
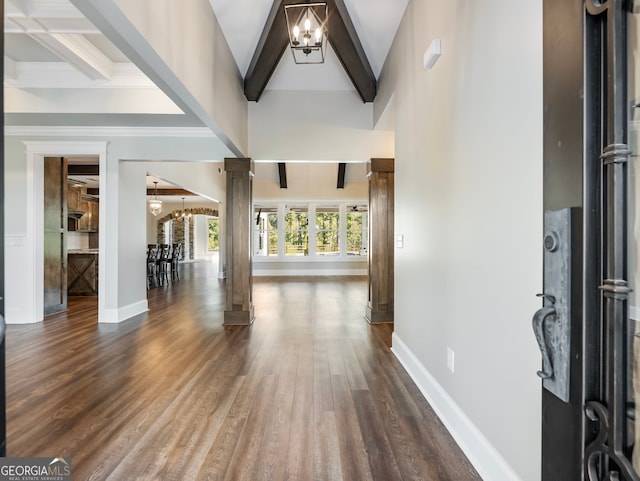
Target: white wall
291 125
468 149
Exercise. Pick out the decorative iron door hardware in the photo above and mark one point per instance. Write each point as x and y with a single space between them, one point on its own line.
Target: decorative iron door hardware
552 323
608 456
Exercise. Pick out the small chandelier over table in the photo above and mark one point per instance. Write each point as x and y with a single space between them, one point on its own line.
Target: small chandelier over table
307 25
155 204
183 212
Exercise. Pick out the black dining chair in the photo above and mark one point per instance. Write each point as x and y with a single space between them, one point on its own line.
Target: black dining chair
164 264
152 265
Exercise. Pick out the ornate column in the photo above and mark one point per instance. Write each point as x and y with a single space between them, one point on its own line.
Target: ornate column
239 283
380 263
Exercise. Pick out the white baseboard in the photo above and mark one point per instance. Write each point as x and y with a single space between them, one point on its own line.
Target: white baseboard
115 316
309 272
488 462
18 316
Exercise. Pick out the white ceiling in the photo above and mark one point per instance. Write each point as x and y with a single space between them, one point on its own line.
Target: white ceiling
50 45
42 33
376 22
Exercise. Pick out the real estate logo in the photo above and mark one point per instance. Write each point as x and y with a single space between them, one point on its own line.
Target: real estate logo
35 469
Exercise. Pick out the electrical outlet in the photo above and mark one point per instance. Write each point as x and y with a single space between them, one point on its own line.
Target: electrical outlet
450 359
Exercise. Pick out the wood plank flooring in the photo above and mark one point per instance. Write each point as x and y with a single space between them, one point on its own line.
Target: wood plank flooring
309 392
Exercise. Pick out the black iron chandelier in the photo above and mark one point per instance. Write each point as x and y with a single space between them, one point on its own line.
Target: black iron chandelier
307 26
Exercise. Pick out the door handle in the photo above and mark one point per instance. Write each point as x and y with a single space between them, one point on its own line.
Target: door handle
552 323
538 323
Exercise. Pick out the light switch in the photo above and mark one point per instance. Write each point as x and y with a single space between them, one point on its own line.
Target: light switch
399 241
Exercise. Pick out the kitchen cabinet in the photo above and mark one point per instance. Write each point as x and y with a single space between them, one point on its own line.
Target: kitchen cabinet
82 279
83 210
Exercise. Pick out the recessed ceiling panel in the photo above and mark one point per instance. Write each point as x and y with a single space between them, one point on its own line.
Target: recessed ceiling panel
22 48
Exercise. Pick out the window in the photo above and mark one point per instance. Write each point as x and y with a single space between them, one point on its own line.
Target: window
357 230
214 241
266 242
314 230
327 228
296 236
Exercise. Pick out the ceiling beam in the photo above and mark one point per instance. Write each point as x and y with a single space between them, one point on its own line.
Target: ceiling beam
271 46
10 68
342 36
76 50
342 170
83 169
171 192
282 173
346 44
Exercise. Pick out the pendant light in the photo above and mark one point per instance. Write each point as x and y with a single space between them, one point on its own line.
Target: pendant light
155 204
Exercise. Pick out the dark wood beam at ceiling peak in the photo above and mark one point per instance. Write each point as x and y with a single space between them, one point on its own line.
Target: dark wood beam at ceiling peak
342 170
152 192
83 169
173 192
342 36
282 173
346 44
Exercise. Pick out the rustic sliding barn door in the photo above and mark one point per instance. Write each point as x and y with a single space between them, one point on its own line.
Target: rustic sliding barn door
55 232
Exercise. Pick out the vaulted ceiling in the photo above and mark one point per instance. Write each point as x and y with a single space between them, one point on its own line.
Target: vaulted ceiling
53 52
49 44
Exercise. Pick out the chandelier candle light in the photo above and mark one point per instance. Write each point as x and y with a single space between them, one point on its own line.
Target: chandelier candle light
183 213
155 204
306 23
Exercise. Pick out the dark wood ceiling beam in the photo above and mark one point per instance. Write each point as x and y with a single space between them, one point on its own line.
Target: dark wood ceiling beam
152 192
83 169
342 170
342 37
272 44
174 192
282 173
346 44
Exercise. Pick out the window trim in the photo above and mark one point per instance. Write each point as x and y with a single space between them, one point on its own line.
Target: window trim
312 256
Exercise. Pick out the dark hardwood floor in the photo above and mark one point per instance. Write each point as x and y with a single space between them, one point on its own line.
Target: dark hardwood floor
309 392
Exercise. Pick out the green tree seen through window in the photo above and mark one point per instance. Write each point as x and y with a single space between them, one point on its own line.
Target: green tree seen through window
214 242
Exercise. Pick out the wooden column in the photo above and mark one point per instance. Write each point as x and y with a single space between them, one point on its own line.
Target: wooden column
239 283
380 269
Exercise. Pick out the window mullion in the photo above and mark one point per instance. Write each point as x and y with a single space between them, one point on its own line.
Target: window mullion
342 230
311 229
281 230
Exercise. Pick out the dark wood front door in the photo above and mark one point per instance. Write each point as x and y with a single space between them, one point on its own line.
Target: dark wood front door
55 230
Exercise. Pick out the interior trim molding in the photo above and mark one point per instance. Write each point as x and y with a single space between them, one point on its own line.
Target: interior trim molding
35 152
121 314
484 457
97 131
